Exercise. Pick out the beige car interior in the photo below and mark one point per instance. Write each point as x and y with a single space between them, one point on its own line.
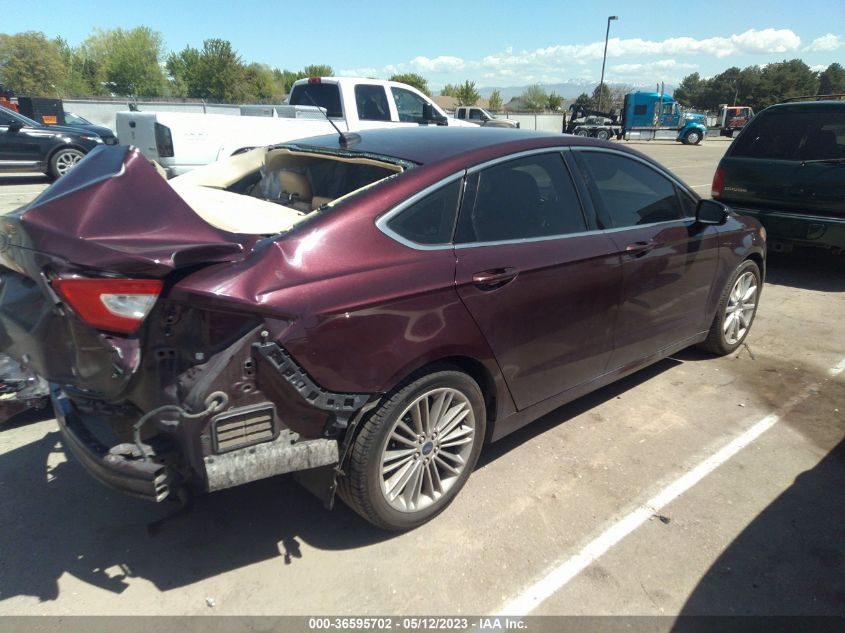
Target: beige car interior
281 198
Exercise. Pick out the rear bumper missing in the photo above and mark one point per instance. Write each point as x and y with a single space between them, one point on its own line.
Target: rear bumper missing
122 467
136 477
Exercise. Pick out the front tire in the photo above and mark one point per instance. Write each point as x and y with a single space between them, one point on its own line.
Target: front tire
603 135
693 137
416 451
736 310
64 160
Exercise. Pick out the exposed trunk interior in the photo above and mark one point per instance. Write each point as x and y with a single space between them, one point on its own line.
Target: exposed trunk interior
269 190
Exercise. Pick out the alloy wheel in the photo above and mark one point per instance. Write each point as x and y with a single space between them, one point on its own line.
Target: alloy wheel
427 449
740 309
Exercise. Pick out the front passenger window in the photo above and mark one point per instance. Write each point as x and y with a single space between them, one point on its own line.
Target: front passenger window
628 192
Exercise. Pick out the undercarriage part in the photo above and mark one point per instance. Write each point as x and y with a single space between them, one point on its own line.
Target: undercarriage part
285 454
215 402
342 405
239 428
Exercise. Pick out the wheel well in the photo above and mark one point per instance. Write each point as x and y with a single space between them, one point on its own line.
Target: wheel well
61 147
758 259
478 373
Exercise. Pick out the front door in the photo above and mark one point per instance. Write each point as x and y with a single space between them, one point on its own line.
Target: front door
668 260
541 285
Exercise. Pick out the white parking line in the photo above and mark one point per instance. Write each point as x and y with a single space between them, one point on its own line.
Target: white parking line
699 186
558 577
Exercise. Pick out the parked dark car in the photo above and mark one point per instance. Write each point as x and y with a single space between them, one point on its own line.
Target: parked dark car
365 310
787 169
26 145
76 121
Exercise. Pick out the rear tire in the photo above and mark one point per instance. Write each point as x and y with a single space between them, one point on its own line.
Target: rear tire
416 451
582 132
603 135
736 310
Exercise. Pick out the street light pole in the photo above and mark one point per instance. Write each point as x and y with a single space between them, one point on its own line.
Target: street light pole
604 59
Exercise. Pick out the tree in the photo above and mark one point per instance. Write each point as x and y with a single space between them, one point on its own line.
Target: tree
412 79
602 98
553 102
30 64
316 70
216 72
783 80
585 101
495 101
467 95
259 84
132 64
449 90
832 80
534 98
691 90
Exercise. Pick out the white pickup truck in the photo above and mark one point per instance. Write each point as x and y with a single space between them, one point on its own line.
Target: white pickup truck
180 142
480 116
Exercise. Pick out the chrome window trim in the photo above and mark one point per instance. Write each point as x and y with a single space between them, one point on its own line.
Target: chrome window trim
558 149
382 222
563 236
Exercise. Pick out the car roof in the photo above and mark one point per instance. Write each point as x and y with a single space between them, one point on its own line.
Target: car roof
432 144
800 106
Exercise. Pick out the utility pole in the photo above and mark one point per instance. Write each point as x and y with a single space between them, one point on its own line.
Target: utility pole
604 59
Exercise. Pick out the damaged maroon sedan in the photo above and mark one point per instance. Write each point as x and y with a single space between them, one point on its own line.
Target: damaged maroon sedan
365 311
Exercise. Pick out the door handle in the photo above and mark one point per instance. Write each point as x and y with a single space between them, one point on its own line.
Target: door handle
638 249
495 278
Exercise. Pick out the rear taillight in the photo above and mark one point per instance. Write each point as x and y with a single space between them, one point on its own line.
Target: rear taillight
718 183
114 305
164 141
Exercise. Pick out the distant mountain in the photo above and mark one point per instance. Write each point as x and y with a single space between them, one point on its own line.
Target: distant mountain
568 90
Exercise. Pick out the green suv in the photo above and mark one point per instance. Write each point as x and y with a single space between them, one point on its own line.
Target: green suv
787 169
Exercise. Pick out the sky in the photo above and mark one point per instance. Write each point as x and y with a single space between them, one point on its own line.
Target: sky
490 42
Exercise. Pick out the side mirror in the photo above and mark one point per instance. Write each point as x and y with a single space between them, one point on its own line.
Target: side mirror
484 117
15 126
711 212
430 116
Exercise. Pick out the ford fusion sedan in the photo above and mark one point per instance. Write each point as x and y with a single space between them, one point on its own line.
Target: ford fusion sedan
366 310
26 145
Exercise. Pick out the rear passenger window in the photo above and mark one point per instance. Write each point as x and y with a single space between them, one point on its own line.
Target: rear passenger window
430 221
628 192
525 198
372 103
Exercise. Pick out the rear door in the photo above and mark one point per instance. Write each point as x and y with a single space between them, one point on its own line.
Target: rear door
668 260
538 278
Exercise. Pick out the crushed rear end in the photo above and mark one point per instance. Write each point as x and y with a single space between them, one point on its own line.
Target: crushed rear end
153 389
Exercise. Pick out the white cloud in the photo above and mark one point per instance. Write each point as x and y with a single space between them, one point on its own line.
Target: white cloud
367 71
826 43
663 64
553 63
